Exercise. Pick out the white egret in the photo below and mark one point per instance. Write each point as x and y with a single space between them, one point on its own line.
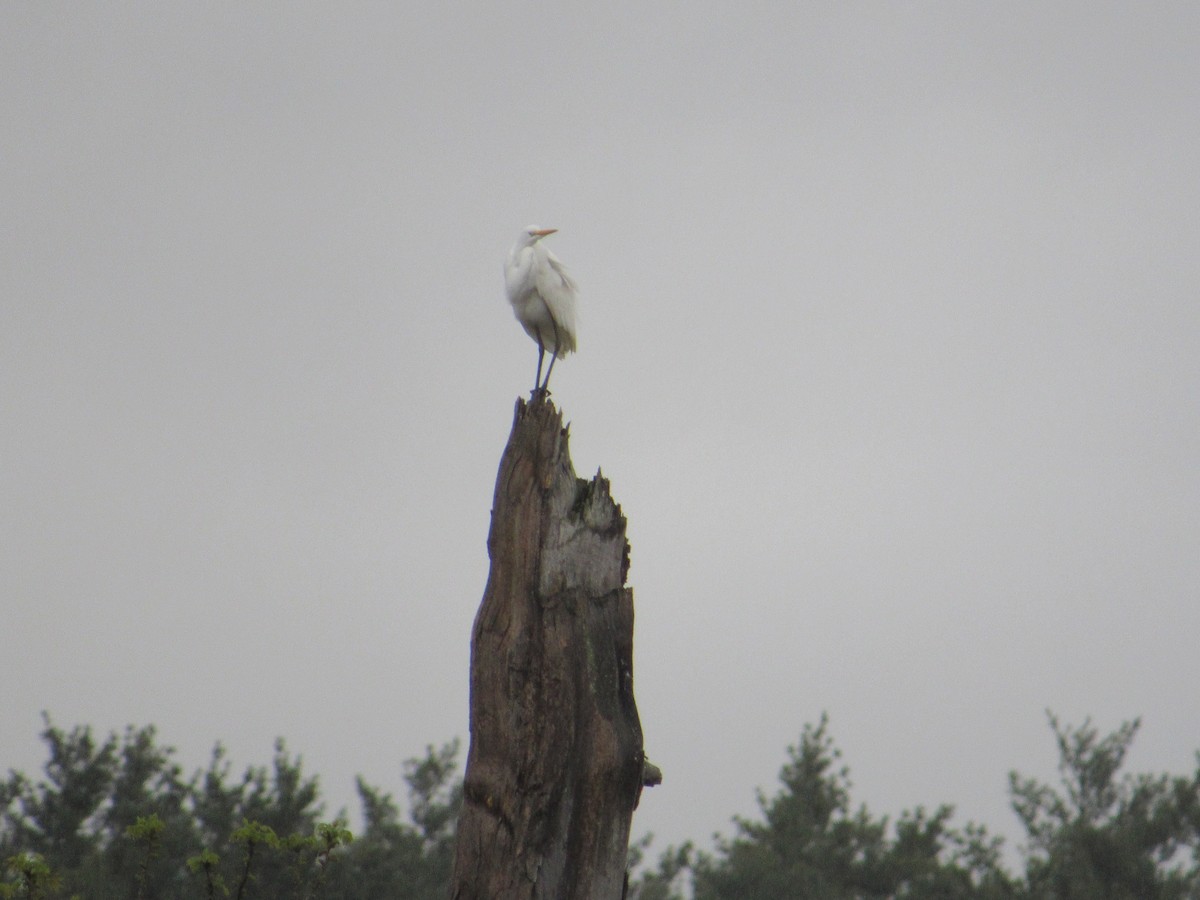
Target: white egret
542 295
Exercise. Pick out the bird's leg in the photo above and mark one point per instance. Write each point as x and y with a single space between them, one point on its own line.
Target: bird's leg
553 356
537 379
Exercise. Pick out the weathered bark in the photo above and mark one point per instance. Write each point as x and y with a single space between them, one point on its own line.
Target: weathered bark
555 766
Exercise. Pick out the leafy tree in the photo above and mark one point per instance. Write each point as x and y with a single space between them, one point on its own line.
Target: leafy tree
146 825
1107 838
662 883
52 818
206 864
270 807
148 831
390 853
117 819
215 804
33 877
811 843
1100 836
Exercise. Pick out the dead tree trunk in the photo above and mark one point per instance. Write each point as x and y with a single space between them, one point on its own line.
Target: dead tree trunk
556 764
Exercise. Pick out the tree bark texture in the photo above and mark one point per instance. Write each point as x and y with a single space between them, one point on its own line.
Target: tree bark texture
555 767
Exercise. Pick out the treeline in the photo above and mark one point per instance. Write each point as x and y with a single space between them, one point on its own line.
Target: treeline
118 819
1097 835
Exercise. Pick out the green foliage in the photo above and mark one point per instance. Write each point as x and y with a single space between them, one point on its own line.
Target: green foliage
812 843
116 819
206 863
253 835
1106 837
33 877
322 846
664 882
56 814
1101 837
390 856
147 830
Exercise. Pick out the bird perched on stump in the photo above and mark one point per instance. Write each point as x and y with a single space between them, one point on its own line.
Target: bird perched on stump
542 295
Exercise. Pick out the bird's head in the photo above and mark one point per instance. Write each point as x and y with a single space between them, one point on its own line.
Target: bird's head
534 234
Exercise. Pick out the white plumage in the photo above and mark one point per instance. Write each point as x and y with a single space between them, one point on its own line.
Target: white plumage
542 295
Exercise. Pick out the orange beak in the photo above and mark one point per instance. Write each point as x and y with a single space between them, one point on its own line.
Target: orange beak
542 232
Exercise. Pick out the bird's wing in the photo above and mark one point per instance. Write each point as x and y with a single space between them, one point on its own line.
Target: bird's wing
558 290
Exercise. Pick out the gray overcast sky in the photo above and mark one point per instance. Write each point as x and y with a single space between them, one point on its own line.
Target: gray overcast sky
889 344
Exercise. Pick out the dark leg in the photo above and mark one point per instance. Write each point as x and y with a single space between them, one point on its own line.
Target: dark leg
537 379
553 357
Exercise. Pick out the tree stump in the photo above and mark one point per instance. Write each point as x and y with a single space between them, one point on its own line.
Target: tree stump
555 766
